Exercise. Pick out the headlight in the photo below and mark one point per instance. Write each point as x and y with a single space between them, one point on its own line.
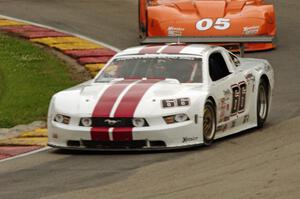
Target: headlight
138 122
62 119
181 117
176 118
86 122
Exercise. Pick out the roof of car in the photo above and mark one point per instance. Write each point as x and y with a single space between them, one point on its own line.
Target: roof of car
191 49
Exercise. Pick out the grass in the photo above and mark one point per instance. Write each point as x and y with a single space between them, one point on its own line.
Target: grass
29 76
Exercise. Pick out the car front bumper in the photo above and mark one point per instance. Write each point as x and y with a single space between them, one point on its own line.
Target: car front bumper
163 137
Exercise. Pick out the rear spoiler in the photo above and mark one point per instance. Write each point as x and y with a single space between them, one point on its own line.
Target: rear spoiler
238 40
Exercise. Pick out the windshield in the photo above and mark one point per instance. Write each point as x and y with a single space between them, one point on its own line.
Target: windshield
184 68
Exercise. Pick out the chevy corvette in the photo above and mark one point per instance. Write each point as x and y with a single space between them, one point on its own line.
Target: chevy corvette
250 24
163 97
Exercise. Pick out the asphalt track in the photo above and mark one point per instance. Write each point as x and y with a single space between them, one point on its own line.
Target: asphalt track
260 164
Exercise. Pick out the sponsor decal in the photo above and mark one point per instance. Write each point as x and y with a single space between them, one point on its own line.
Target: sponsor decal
233 124
267 67
175 31
171 103
250 78
227 92
222 128
258 68
226 118
189 139
246 119
208 23
219 128
251 30
224 105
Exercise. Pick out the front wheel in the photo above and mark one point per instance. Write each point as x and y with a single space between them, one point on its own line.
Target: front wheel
209 123
262 104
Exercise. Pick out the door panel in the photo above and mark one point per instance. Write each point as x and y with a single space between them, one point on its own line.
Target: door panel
232 101
231 94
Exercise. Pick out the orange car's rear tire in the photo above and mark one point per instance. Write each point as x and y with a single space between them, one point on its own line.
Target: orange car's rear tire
142 33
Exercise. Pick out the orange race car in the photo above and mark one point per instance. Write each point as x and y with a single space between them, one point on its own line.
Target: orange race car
248 25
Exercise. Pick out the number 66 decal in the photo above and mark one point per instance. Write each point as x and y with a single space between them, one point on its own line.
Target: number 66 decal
207 23
238 98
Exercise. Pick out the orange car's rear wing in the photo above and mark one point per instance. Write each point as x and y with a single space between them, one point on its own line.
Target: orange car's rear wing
237 40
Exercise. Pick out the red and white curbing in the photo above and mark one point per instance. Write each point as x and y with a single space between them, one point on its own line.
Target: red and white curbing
87 52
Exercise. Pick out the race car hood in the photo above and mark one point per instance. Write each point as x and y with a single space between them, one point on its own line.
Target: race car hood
209 7
130 99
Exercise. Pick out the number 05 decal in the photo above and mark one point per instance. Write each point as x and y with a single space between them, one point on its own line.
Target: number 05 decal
239 92
207 23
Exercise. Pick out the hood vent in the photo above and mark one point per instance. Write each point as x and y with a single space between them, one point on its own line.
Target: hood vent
213 9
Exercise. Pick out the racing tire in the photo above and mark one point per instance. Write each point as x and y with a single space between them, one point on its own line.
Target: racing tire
142 32
209 123
262 103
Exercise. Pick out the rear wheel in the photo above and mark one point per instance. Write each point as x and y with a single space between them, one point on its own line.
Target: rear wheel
209 123
262 103
142 19
142 32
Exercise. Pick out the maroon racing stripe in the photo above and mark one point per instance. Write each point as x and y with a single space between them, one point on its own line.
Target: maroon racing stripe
128 106
173 49
109 97
99 134
105 105
150 49
132 98
122 134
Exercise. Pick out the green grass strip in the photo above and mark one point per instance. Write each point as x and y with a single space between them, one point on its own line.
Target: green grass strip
29 76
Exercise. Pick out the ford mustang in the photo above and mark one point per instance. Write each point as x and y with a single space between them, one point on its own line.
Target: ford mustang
163 97
250 24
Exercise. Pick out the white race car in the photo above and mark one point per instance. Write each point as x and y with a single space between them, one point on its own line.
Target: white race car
163 97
